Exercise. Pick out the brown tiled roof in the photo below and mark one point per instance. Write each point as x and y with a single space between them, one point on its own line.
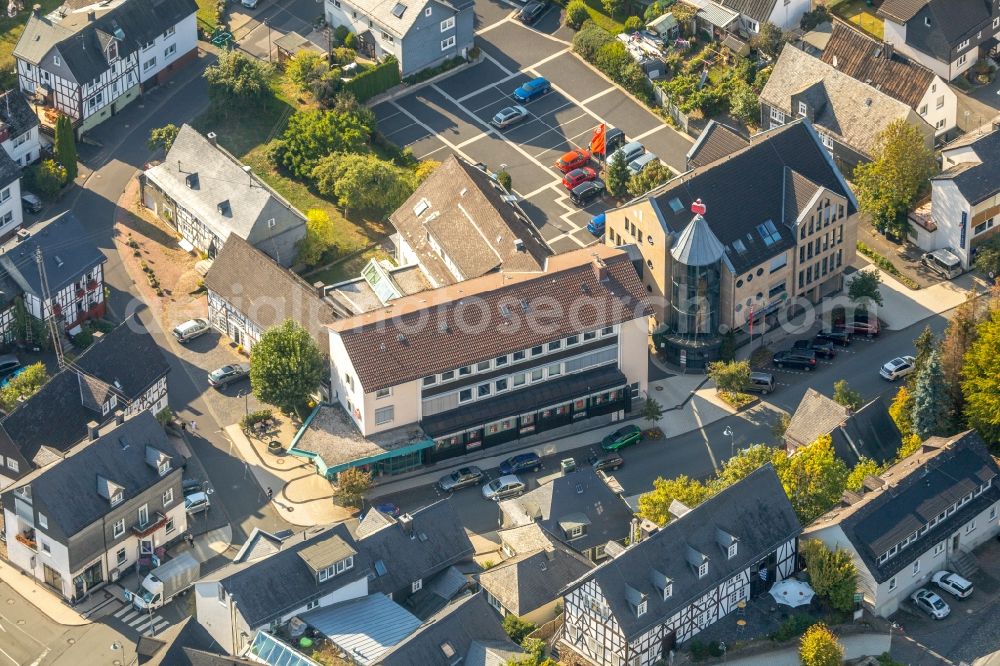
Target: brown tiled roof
479 319
267 293
467 217
901 11
895 75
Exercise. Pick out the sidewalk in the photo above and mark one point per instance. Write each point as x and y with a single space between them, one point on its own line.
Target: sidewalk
305 498
858 645
36 594
904 307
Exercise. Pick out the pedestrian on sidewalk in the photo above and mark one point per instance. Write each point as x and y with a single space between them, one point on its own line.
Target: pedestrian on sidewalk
270 493
194 425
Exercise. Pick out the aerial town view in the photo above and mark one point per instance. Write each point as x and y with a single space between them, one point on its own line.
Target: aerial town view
500 332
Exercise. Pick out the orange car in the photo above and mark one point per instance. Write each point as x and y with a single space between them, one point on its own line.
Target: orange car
574 159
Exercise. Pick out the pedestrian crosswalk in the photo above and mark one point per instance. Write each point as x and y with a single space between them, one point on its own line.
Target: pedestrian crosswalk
143 622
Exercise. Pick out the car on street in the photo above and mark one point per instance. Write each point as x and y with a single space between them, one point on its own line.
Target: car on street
796 358
930 603
578 176
191 329
596 224
523 462
574 159
531 12
611 461
621 438
584 193
822 347
509 115
953 584
840 338
191 486
389 509
196 503
30 202
504 487
866 327
228 374
461 478
760 382
532 89
898 367
249 4
9 365
943 262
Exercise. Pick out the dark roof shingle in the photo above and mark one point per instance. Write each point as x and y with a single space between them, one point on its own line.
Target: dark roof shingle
67 252
758 10
715 142
978 182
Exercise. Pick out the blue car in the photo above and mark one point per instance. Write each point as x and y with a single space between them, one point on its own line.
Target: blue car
532 89
596 225
521 463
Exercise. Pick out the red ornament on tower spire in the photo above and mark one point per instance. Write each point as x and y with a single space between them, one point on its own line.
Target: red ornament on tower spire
698 207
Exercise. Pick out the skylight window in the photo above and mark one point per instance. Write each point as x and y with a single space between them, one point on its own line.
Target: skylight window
739 246
768 233
421 207
676 205
398 10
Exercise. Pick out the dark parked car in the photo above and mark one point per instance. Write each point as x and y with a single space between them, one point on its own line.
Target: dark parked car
30 202
760 382
523 462
586 192
621 438
840 338
822 347
461 478
805 360
866 327
530 13
228 374
611 461
191 486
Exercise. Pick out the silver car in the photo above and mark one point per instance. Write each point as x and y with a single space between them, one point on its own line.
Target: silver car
504 487
191 329
509 115
930 603
461 478
228 374
197 503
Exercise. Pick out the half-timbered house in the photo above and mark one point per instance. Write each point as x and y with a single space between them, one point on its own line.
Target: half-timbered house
638 606
89 61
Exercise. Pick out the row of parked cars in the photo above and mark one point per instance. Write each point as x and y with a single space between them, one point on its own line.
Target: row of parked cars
932 604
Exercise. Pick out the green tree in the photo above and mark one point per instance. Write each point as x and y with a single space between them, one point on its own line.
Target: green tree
656 9
517 629
988 257
910 444
363 181
652 410
958 338
845 395
744 463
770 40
163 137
899 173
47 178
613 7
866 467
503 177
655 174
930 408
814 479
730 376
633 24
352 484
832 573
23 386
780 427
901 410
237 80
863 288
655 504
616 176
819 647
305 69
744 104
315 134
813 18
320 237
925 344
65 149
286 367
981 380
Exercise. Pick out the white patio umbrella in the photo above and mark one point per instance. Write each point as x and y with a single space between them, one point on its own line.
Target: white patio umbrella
792 592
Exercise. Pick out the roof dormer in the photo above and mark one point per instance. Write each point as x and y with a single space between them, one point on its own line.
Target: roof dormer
662 583
698 561
158 460
328 558
110 490
727 542
637 600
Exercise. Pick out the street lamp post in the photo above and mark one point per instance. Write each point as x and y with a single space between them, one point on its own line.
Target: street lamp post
732 441
245 394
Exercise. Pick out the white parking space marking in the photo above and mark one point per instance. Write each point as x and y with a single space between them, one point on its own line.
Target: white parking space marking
598 95
497 63
472 140
499 23
429 153
496 85
650 132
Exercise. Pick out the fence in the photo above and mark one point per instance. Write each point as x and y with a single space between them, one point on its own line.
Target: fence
678 116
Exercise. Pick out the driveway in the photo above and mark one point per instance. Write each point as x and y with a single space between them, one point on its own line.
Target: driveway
452 116
255 30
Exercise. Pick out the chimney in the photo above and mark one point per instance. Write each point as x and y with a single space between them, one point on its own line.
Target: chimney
91 16
119 417
212 138
406 522
93 431
36 10
320 289
888 49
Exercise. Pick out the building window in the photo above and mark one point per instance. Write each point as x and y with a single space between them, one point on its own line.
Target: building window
536 375
993 513
163 467
555 345
500 361
4 194
383 393
518 356
170 32
170 50
448 23
892 583
575 531
962 59
386 37
467 370
939 548
119 528
996 22
384 415
417 585
117 498
168 496
447 43
916 568
703 570
970 526
803 109
95 101
732 550
427 12
779 262
43 521
121 556
554 370
939 103
963 44
640 610
976 230
149 64
430 381
923 110
483 390
12 464
143 514
56 61
668 591
777 115
500 385
827 140
537 351
312 604
170 526
112 51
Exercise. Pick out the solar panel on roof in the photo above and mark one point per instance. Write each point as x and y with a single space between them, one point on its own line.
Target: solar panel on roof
398 10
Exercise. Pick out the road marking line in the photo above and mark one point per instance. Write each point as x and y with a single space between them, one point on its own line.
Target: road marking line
128 617
15 662
161 626
548 58
485 88
502 21
122 611
495 62
468 141
541 189
142 626
600 94
652 131
40 657
426 155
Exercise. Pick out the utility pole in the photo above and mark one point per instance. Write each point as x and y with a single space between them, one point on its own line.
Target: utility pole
50 319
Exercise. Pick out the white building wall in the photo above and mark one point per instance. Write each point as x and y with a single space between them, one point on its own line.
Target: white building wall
24 148
167 49
11 214
347 392
947 206
222 620
941 103
355 590
787 13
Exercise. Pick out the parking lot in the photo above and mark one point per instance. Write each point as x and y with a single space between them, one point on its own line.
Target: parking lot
453 115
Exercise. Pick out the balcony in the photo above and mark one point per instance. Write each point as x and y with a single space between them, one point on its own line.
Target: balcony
149 527
92 285
27 537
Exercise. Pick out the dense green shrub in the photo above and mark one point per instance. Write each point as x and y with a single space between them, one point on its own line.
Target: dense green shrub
576 14
374 81
633 24
589 40
793 627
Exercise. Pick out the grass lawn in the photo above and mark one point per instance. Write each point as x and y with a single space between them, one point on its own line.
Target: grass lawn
10 30
208 14
860 14
347 269
613 24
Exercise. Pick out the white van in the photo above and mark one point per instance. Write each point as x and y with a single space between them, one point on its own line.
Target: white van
943 262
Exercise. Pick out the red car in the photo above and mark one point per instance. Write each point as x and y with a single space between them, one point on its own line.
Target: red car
577 176
574 159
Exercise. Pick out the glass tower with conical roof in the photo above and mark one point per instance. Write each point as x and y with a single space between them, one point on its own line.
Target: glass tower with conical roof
695 278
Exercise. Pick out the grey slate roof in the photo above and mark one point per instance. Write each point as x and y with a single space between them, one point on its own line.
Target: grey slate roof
468 218
266 292
186 643
531 580
383 12
466 629
868 432
815 416
747 189
9 169
68 488
552 502
758 10
756 511
112 359
16 114
697 245
845 107
201 176
80 42
715 142
950 22
915 490
67 251
978 182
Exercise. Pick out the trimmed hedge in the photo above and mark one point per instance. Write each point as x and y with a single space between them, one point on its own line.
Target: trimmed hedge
374 81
